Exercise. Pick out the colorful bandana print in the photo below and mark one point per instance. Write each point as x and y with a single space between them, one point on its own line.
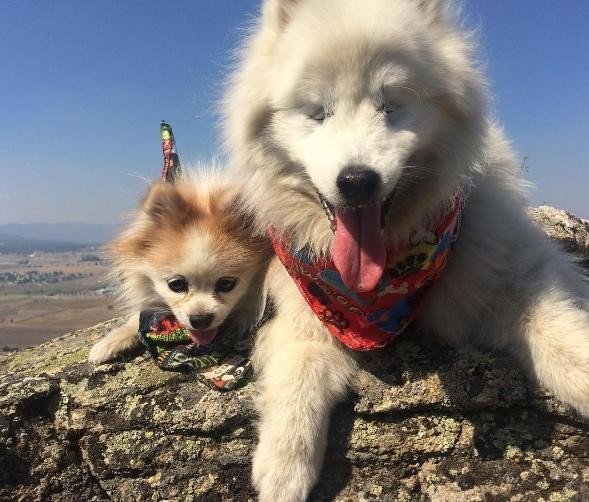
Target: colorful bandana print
226 359
371 320
172 170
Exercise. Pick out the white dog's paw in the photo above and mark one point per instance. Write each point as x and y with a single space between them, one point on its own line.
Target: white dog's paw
280 477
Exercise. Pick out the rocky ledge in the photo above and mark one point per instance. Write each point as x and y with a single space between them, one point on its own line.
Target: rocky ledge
572 232
425 423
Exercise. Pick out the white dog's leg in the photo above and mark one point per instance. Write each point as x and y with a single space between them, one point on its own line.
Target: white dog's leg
523 295
508 287
554 341
117 341
299 383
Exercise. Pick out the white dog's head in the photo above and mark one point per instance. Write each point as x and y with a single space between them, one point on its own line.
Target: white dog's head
366 105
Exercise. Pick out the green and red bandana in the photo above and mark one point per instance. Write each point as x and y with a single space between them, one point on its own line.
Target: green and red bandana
223 364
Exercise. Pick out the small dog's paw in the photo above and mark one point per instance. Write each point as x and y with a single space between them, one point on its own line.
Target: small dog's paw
116 342
103 351
282 477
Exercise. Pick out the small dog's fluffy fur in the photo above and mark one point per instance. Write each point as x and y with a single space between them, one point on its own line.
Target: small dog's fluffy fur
190 237
390 85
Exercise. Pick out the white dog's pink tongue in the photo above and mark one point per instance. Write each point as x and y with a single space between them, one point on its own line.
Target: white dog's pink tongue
358 249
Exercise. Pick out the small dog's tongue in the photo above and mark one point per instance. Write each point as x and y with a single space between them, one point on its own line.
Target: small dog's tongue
202 337
358 248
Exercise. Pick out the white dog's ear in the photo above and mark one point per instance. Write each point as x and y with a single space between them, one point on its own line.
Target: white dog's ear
433 9
280 11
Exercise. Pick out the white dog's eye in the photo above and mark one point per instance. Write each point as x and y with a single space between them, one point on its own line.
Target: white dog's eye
319 116
393 112
315 112
388 108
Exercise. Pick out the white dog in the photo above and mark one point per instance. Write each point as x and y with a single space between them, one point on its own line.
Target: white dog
374 112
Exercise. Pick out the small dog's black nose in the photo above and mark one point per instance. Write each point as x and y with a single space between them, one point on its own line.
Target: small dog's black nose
201 321
358 185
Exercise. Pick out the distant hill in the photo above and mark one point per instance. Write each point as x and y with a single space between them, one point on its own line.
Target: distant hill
79 233
24 245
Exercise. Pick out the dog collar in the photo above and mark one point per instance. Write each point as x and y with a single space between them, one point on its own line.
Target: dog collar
371 320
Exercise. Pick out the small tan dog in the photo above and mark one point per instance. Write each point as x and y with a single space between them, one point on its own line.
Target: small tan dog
189 250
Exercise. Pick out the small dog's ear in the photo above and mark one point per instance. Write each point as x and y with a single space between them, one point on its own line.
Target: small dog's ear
241 222
164 202
237 218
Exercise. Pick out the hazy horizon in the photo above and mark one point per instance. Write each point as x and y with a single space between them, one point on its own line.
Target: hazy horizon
86 85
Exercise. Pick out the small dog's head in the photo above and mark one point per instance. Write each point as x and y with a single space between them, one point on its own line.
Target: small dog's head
190 250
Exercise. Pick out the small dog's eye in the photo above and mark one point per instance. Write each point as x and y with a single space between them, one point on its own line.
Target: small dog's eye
225 284
178 285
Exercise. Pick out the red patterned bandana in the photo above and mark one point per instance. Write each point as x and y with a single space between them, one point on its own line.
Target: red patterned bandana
370 320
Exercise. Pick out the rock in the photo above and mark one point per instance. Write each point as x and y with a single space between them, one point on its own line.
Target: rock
566 228
426 422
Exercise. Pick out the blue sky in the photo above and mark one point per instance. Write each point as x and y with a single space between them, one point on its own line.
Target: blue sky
85 84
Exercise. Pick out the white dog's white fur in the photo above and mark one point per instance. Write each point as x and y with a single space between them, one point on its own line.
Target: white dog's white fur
390 84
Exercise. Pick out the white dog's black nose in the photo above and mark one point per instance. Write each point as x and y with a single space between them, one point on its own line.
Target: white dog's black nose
358 185
201 321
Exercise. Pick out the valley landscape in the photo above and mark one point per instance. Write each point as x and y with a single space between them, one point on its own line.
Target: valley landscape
50 287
